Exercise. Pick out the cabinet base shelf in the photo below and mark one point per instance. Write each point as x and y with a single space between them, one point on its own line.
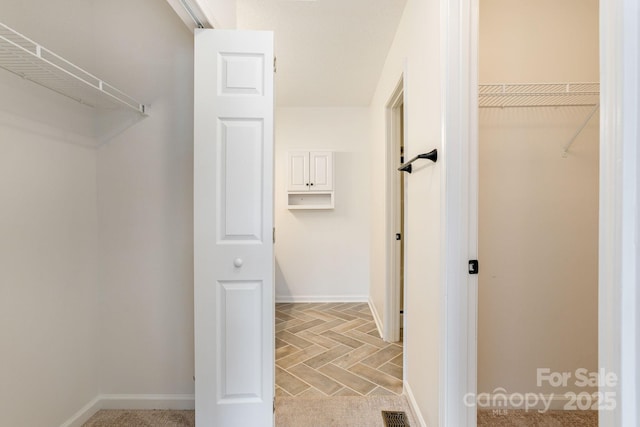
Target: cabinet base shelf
310 200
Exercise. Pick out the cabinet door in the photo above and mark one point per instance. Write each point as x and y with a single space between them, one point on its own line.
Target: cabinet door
321 170
298 171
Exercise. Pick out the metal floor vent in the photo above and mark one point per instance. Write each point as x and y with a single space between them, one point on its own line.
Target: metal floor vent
395 419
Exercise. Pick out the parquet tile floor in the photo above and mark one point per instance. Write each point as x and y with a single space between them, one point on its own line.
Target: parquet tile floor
333 349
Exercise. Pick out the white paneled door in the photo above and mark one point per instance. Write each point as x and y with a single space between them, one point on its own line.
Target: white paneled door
233 223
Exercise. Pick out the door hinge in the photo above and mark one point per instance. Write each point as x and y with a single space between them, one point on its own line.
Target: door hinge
274 235
275 68
473 266
274 405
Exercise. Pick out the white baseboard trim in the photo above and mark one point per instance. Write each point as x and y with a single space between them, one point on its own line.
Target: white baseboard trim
320 298
376 317
530 401
83 415
413 405
148 401
130 401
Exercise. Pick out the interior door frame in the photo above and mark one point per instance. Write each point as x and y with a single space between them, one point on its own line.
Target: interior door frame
619 219
391 320
618 297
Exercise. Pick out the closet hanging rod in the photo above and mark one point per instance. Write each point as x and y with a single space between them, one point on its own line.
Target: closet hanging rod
31 61
503 95
431 155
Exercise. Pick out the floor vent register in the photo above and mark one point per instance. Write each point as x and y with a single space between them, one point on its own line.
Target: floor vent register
395 419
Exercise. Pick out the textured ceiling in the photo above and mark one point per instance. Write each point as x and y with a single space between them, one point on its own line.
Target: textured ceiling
329 52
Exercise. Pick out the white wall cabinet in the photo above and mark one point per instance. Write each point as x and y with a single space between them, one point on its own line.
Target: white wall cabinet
310 180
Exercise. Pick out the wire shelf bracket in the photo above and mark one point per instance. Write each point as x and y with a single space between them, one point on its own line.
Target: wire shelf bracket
565 149
31 61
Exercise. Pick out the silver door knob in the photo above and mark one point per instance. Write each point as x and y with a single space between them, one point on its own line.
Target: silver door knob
238 262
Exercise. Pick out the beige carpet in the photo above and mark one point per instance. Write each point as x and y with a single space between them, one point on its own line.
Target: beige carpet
343 412
155 418
290 412
514 418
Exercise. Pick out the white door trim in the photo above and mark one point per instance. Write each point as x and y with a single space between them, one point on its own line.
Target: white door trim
458 291
619 320
391 319
617 298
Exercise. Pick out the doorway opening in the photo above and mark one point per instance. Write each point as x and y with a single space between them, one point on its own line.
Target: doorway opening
336 349
538 147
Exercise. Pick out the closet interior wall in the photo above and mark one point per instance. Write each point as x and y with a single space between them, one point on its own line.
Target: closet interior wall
48 232
96 278
538 223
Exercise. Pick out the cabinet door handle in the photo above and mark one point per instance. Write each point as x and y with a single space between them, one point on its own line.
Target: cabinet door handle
312 183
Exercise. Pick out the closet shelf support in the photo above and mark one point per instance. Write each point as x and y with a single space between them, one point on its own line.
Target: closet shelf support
565 149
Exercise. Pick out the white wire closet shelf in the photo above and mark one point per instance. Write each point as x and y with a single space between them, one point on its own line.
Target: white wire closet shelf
538 95
26 58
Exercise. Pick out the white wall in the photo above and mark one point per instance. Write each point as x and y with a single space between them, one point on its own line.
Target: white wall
63 26
48 232
146 204
98 244
29 106
48 268
538 244
417 43
538 225
538 41
222 13
323 255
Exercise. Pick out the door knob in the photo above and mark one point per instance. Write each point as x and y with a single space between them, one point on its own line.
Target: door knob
238 262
